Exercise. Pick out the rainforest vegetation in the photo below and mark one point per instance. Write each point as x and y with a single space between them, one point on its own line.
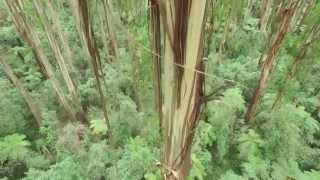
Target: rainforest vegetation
160 89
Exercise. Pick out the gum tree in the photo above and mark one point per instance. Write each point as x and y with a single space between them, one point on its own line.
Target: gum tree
180 87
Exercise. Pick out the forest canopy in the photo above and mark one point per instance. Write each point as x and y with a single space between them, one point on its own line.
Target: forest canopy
159 89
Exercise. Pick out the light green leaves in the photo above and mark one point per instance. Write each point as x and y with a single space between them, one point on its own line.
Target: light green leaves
151 176
223 117
98 126
230 175
198 169
310 175
249 144
13 147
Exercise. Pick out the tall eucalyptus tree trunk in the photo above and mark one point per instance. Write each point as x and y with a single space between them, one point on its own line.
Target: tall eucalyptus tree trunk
27 32
286 14
305 10
108 9
265 11
62 36
136 72
35 110
155 28
86 34
183 22
62 62
308 41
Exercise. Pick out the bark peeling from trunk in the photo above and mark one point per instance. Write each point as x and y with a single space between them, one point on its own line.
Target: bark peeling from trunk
183 24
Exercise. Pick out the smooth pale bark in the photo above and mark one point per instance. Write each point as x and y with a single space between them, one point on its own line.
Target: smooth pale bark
34 108
183 22
297 14
62 37
269 57
60 60
266 10
28 34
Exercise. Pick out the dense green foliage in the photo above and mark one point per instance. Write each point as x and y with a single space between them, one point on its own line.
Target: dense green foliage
281 143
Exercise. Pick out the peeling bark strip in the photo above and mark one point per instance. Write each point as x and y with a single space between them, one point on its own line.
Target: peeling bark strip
286 17
28 34
315 32
82 16
183 23
35 110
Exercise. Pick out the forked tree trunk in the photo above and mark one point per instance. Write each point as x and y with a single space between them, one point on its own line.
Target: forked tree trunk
183 22
268 60
35 110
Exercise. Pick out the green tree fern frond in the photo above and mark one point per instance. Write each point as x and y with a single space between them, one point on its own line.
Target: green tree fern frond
13 147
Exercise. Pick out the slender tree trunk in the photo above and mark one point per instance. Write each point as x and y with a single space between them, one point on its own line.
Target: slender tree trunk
224 37
183 22
136 73
29 35
104 30
108 10
315 32
25 94
287 14
275 20
210 29
155 29
266 10
83 22
297 14
62 37
305 11
61 60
